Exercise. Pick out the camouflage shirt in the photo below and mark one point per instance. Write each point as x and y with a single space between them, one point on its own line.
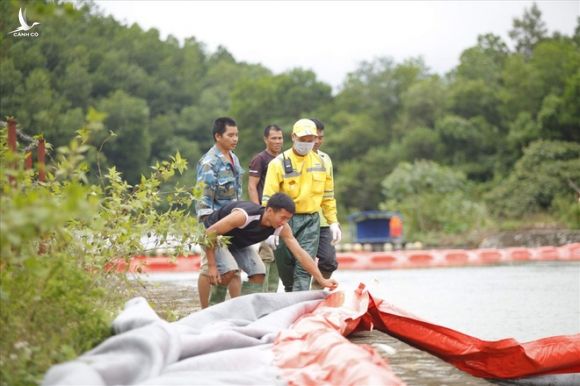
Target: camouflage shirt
222 181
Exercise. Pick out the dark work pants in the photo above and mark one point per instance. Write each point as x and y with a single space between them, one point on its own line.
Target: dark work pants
326 252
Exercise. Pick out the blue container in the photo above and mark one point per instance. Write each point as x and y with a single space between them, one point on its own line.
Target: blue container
373 227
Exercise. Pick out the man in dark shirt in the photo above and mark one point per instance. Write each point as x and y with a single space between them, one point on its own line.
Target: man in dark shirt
246 224
274 139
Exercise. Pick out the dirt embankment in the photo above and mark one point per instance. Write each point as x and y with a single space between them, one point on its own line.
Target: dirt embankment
531 238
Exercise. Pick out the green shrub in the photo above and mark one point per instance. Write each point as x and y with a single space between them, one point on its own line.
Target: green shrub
51 312
543 173
433 199
421 177
57 237
566 208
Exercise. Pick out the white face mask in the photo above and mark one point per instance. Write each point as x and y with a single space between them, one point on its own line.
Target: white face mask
303 148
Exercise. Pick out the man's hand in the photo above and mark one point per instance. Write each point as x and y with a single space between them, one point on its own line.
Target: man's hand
214 275
336 233
273 241
328 283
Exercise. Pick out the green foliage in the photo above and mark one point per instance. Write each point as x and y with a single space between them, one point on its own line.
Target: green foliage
422 104
277 99
161 97
128 118
567 209
522 131
357 183
569 117
152 90
352 135
472 98
420 143
484 61
469 145
522 89
546 170
376 89
528 30
58 241
421 177
433 199
556 61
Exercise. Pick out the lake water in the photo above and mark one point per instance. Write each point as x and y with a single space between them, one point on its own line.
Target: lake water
526 301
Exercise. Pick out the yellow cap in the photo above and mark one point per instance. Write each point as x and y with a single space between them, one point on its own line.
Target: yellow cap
304 127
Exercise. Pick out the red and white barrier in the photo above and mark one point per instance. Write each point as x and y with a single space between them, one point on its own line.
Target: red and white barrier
363 260
142 264
453 257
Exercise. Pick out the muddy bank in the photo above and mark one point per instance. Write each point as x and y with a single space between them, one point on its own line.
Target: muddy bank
173 301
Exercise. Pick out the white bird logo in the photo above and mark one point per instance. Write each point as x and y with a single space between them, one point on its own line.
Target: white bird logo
23 24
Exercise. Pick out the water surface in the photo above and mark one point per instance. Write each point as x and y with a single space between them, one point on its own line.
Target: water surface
526 301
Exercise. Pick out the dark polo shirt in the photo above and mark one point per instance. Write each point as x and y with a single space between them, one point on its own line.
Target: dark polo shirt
252 232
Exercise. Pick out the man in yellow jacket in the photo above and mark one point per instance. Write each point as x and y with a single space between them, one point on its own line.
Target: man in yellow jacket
301 173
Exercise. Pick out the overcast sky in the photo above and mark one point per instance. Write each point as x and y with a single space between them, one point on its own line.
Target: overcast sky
333 37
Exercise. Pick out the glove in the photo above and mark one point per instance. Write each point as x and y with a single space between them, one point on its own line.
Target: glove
336 233
273 241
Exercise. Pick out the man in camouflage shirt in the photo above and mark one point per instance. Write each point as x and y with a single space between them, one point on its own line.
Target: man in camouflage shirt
221 174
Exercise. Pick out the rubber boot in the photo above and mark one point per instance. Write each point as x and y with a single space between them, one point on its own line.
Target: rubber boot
217 294
272 279
252 288
315 285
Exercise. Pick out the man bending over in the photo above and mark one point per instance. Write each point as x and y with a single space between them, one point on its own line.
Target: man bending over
247 223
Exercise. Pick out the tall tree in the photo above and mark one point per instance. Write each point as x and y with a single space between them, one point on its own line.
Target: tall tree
469 145
528 31
422 104
275 99
128 118
376 88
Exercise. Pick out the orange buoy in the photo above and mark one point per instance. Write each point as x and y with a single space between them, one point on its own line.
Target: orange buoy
354 261
570 251
457 257
489 256
548 253
384 261
420 259
519 254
